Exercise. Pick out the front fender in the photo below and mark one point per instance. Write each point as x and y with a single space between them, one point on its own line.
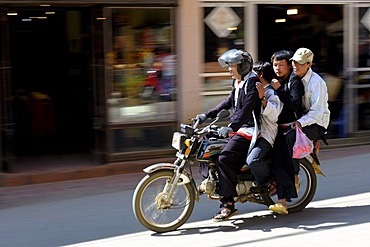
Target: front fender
185 176
159 166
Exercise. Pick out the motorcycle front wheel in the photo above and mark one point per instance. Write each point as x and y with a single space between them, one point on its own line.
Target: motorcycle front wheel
154 210
306 191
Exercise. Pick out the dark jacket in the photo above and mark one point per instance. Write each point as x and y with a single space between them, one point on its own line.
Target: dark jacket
291 93
242 113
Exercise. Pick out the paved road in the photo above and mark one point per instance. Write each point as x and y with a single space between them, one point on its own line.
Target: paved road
336 222
97 212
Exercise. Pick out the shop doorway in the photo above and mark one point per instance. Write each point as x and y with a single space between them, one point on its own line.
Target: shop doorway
52 110
317 27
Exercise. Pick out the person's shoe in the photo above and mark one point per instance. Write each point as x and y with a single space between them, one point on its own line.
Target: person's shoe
225 214
278 208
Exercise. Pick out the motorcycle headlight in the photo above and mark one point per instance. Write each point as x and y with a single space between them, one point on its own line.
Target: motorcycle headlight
187 129
178 140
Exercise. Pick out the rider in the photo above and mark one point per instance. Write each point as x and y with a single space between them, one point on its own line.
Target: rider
270 110
290 90
243 99
316 115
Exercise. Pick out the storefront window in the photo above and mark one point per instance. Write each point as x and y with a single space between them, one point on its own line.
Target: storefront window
140 80
142 61
134 138
363 76
223 30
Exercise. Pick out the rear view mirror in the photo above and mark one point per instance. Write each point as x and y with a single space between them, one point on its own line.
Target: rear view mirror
223 114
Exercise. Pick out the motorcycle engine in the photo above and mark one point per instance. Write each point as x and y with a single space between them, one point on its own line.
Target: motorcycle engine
208 186
243 187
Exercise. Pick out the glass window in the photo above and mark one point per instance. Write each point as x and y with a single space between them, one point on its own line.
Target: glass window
364 38
363 77
142 139
142 61
223 30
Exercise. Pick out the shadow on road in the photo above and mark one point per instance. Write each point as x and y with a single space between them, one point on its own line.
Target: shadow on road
311 219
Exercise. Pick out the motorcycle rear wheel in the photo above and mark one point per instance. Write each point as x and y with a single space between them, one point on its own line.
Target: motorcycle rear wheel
149 202
306 192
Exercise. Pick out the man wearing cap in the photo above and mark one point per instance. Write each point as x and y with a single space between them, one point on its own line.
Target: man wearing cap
316 115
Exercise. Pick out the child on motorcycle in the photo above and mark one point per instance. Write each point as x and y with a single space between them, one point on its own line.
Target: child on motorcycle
270 110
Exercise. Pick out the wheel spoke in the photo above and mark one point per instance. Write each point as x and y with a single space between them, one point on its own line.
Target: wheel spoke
154 210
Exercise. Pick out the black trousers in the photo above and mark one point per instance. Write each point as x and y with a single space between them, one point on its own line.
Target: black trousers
284 166
256 160
230 161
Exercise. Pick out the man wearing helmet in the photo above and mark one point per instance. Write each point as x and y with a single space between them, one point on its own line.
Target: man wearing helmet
243 100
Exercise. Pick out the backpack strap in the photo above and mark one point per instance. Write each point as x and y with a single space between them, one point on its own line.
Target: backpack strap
251 77
255 134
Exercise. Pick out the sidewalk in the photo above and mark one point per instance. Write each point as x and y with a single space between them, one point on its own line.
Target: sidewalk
65 172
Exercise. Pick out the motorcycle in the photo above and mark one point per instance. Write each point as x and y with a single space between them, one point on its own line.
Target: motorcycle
164 199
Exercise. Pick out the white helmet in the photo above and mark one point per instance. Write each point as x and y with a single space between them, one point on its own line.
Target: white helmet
240 57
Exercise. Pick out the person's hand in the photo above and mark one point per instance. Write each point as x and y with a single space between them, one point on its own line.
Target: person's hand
201 118
275 84
261 89
296 124
225 131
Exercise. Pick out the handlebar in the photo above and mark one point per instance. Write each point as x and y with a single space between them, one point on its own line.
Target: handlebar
207 129
197 121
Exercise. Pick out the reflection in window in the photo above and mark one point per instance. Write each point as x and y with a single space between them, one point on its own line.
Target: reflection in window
142 139
363 78
230 21
223 30
143 64
364 41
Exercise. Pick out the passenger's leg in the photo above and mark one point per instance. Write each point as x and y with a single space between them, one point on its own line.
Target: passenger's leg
256 160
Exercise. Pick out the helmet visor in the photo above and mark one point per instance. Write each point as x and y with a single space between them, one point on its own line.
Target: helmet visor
230 57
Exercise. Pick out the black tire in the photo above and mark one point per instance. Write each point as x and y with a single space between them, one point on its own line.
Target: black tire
147 197
306 192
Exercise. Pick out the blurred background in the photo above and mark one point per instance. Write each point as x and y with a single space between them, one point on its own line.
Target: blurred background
108 81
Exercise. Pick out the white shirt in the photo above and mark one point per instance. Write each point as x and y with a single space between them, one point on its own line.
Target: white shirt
238 86
270 114
315 101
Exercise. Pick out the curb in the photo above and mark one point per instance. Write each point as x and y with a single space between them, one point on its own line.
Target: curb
83 172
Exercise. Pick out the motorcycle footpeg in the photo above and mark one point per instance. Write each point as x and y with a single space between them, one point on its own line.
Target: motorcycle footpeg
259 190
215 197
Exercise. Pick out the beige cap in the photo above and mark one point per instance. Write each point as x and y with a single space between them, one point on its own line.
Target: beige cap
302 56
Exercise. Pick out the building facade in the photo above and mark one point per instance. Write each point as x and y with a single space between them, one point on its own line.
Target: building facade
113 79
